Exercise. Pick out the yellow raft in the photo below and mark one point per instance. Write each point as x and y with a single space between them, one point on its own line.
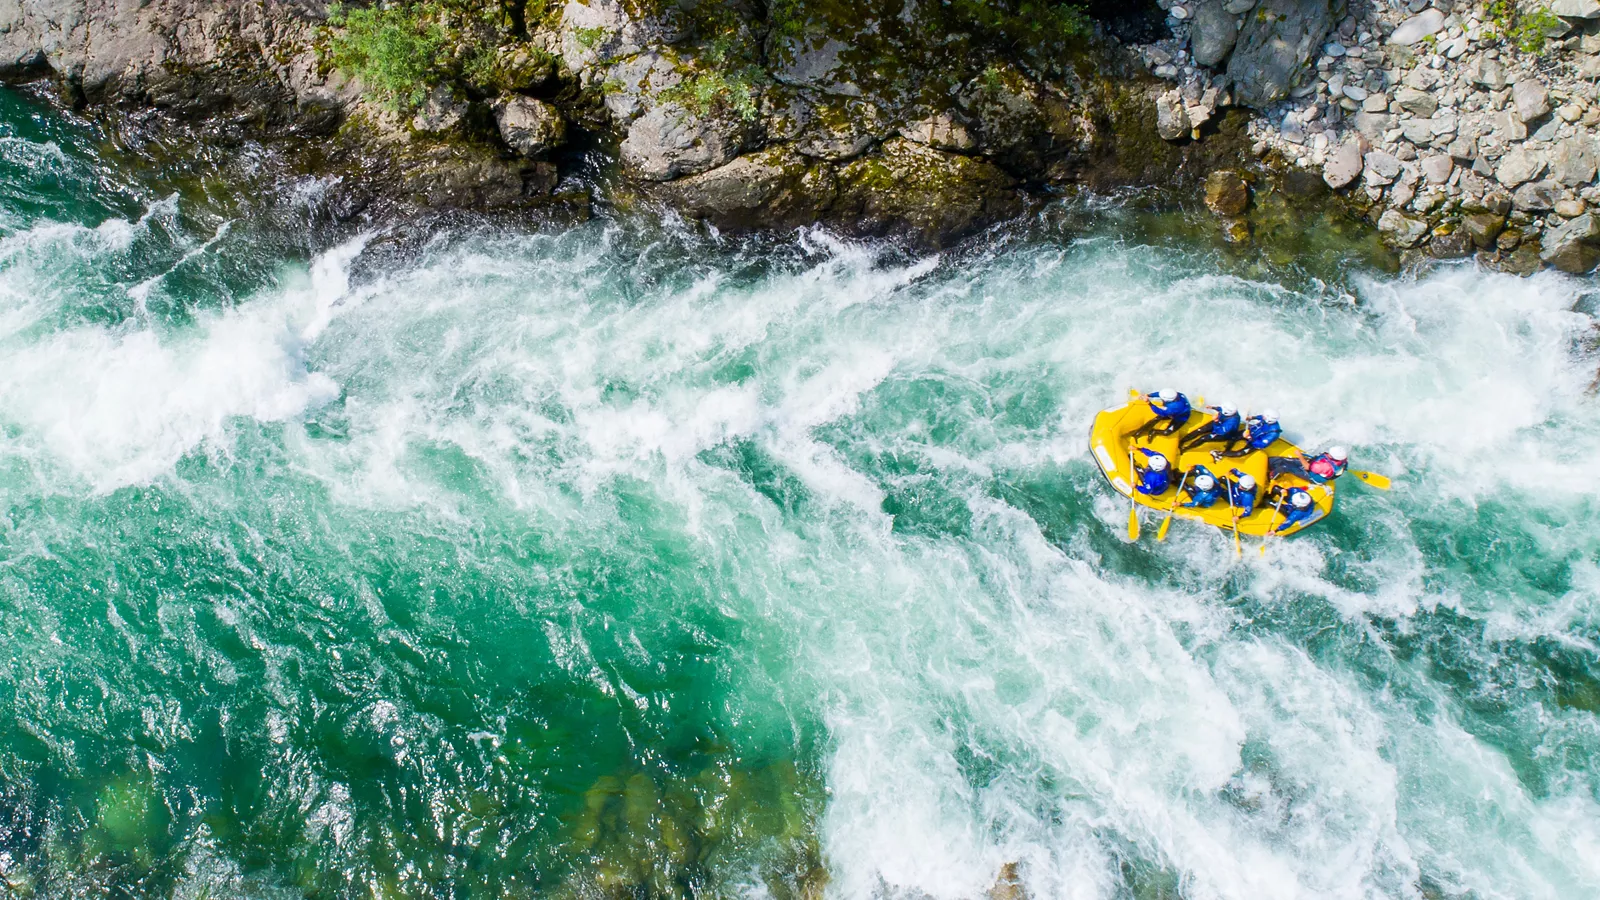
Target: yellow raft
1110 442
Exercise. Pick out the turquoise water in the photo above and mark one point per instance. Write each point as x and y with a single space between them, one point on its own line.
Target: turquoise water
618 561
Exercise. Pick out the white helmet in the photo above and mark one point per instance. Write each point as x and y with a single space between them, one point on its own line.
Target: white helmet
1338 454
1205 482
1246 482
1166 395
1227 409
1269 415
1300 499
1158 463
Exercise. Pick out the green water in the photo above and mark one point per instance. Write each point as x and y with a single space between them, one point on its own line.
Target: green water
624 562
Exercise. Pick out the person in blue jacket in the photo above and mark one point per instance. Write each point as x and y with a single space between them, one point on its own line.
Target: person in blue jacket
1259 433
1204 491
1242 493
1298 509
1224 428
1155 477
1171 409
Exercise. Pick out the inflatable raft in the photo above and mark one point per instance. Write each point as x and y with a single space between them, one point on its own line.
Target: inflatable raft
1111 445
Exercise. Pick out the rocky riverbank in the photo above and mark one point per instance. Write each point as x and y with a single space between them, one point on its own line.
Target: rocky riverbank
1455 128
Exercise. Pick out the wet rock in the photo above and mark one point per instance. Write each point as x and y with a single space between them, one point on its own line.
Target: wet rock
1419 26
669 141
1454 245
1275 44
1574 246
1302 185
1008 885
938 197
1172 119
1236 230
1531 100
1343 165
1572 162
1570 209
1520 164
1482 228
769 188
1419 103
529 126
1212 32
1522 261
1227 194
1380 168
1536 196
1400 229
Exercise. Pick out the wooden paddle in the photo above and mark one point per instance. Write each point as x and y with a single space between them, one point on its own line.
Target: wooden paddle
1161 533
1133 505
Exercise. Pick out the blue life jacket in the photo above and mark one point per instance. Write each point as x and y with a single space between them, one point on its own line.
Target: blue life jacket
1244 500
1204 499
1177 409
1151 481
1294 514
1262 433
1225 427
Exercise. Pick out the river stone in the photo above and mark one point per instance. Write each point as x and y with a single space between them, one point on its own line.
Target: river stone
1531 100
669 141
1574 246
1227 194
1400 229
1536 196
1437 169
1343 165
1212 32
1455 245
1576 9
1482 228
1275 45
1572 162
530 126
1239 7
1419 26
1520 164
1172 120
1418 103
1488 73
1381 168
1570 209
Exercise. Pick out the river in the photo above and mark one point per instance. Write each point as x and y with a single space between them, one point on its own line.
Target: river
626 560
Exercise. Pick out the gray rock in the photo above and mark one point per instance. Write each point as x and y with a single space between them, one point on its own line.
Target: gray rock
1536 196
1531 100
1483 228
805 62
1462 149
1419 26
1487 73
1372 124
1400 229
1172 120
1455 245
1239 7
1212 32
1437 169
939 130
1575 246
1276 43
1381 168
669 141
440 112
1520 164
1375 103
1418 103
1576 9
1572 162
1417 131
1343 165
530 126
1422 78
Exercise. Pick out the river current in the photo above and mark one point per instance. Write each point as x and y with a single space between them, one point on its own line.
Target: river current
623 560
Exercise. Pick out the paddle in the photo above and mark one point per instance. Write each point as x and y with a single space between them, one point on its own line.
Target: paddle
1133 505
1381 482
1238 548
1161 533
1276 507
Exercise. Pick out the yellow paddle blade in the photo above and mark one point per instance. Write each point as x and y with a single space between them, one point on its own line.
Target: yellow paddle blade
1161 533
1381 482
1133 523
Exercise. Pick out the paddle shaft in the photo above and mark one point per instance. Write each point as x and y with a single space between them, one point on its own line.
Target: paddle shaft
1161 534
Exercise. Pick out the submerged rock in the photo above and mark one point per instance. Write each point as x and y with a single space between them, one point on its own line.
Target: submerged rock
1227 193
1402 230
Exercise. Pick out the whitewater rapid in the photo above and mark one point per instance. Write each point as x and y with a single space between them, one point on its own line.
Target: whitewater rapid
868 473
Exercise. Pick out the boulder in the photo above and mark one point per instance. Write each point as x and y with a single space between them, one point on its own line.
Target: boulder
1518 165
1212 32
1487 73
1227 194
1172 120
939 130
1576 9
1572 162
773 187
1455 245
804 61
669 141
1380 168
1536 196
529 126
1574 246
938 197
1343 165
1400 229
1275 45
1482 228
1419 103
1531 100
1419 26
442 111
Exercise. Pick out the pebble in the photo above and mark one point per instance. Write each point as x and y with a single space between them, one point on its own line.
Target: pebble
1358 93
1179 12
1375 103
1334 49
1570 209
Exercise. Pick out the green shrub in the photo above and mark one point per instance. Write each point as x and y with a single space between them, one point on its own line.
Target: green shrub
1524 29
395 50
727 83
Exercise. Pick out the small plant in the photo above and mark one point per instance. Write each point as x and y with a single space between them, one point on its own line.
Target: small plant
590 38
1527 30
726 82
395 50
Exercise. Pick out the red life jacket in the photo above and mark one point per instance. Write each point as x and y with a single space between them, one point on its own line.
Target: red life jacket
1323 467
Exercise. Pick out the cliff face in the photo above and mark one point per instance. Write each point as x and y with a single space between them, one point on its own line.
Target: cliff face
931 119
